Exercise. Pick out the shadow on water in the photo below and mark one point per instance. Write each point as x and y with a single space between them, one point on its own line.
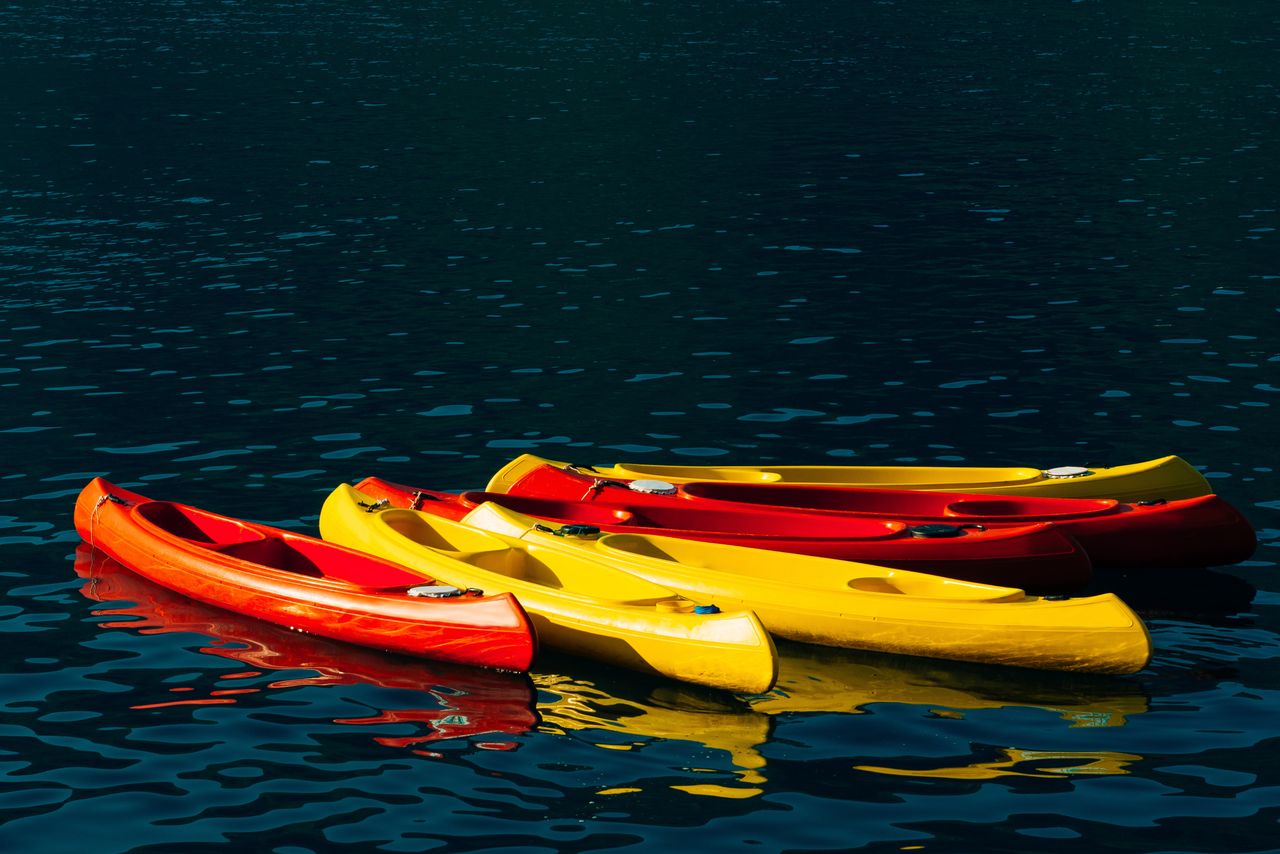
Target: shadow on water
458 701
1206 594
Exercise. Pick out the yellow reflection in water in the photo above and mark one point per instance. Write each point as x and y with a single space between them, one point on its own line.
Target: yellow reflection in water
1023 763
717 721
713 791
818 680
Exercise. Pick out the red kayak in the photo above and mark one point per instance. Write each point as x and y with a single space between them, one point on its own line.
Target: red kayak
1033 556
301 582
1190 532
453 701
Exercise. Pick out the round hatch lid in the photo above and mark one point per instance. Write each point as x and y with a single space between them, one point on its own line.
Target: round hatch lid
934 531
653 487
1064 472
435 591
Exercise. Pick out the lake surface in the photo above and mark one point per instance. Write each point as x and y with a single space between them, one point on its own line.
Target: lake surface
251 250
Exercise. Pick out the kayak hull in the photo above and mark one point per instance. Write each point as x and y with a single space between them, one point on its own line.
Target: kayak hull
578 604
860 606
1168 477
1201 531
299 582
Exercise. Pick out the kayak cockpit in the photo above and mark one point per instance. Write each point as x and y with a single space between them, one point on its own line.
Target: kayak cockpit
196 525
1017 509
919 586
298 556
438 534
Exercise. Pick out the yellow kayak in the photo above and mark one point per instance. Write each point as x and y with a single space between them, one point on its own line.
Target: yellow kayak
577 602
1167 477
861 606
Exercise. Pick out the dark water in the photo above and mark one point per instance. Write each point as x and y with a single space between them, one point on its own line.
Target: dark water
250 250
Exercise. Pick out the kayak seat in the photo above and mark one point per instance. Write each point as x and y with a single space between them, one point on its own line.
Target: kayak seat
517 564
371 573
439 534
275 554
641 546
874 585
1027 508
988 507
196 525
934 587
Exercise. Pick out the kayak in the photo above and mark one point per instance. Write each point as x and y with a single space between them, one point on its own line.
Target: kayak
1037 556
449 700
301 582
861 606
578 603
1201 531
1167 477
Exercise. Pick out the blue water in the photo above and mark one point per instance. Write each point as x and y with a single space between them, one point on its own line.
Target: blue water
251 250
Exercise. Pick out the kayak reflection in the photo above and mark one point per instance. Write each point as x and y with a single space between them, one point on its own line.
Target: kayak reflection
821 679
618 713
461 701
1022 763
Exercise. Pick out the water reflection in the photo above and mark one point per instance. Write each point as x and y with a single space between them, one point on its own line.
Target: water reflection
458 701
621 714
1022 763
823 679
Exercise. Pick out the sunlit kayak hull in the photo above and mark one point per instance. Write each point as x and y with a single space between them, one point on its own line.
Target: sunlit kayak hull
578 603
299 582
1200 531
860 606
1167 477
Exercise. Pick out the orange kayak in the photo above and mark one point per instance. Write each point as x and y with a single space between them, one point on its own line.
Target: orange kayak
302 582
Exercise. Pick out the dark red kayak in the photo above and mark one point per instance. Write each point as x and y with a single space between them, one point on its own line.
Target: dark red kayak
301 582
1036 556
1201 531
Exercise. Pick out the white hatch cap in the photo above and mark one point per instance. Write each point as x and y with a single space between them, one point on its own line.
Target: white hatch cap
654 487
435 591
1066 472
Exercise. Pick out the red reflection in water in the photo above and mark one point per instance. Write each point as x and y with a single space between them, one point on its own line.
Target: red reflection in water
468 701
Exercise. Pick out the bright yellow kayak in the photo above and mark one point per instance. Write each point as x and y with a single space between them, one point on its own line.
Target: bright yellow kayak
577 602
1167 477
861 606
